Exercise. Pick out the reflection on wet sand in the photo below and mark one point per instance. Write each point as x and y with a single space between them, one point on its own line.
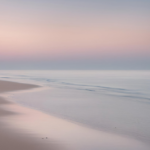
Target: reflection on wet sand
15 138
27 129
72 136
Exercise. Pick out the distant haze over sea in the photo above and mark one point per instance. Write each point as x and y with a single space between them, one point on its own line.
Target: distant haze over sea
109 64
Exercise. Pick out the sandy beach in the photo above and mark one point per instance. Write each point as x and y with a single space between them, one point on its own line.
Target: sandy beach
23 128
13 139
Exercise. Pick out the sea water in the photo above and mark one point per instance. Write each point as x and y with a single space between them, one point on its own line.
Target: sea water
112 101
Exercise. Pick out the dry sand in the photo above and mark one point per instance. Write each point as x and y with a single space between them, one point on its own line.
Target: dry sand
10 138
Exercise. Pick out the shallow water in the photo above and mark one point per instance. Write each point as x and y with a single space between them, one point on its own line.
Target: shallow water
113 101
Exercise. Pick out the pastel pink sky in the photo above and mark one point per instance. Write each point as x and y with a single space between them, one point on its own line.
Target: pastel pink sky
52 30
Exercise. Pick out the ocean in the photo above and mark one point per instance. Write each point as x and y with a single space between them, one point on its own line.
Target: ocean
111 101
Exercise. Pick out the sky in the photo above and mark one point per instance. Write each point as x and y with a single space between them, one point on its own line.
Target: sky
75 34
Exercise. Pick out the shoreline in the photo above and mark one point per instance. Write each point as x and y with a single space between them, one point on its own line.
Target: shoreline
29 126
12 138
9 86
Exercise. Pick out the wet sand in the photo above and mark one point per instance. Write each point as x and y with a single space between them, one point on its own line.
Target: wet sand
23 128
12 138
